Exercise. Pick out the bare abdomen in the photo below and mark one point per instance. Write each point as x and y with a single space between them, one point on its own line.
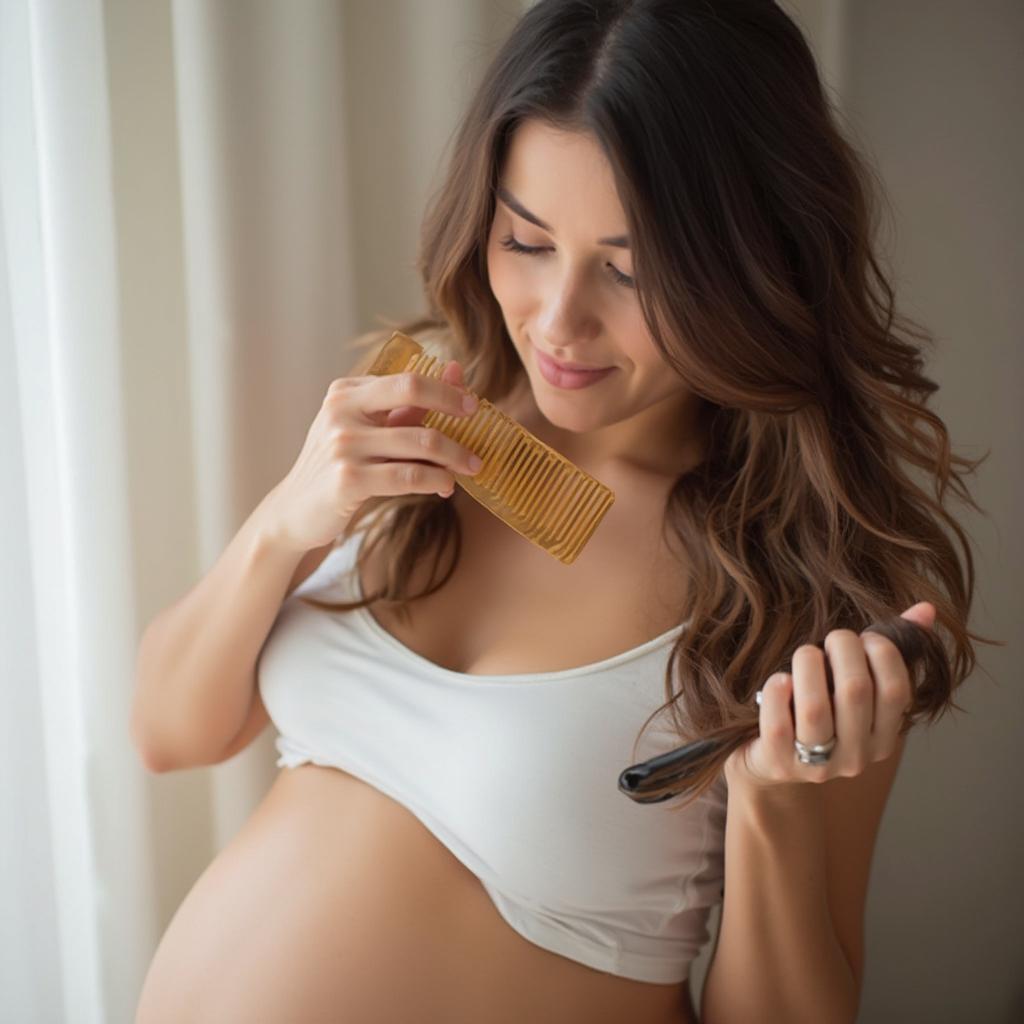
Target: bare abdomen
335 904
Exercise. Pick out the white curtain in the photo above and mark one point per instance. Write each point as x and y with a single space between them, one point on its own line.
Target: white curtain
181 266
201 201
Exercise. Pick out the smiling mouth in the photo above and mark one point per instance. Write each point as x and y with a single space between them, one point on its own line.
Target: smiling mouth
568 380
571 367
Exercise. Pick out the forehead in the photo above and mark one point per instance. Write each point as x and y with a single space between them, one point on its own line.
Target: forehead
560 175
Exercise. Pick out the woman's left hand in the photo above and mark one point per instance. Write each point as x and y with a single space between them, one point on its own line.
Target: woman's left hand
872 691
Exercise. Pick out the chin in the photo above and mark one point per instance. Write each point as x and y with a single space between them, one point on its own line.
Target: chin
564 411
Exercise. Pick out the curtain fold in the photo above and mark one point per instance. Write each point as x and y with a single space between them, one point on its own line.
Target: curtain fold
72 621
193 225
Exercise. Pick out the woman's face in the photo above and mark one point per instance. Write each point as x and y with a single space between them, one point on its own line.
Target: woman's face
572 298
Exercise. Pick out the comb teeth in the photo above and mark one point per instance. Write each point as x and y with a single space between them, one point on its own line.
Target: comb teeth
524 482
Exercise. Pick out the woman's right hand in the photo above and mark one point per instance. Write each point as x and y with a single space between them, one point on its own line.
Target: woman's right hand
367 439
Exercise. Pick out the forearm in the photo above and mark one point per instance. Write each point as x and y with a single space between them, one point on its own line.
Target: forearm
778 957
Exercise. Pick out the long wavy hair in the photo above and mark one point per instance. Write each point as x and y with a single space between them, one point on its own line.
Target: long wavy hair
819 503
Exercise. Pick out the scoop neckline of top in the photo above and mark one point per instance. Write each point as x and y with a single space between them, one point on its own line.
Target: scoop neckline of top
519 677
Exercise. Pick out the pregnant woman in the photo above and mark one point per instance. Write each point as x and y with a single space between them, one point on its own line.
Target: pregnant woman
652 250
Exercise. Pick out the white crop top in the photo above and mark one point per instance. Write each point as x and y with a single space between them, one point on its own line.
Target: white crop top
516 774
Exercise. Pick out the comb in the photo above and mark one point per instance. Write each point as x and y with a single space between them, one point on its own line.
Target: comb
524 482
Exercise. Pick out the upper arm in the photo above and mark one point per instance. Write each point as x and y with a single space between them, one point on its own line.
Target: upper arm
257 718
853 814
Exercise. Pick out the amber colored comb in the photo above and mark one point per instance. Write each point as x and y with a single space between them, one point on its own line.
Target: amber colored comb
523 481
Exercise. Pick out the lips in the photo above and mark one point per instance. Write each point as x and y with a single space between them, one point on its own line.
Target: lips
569 379
575 367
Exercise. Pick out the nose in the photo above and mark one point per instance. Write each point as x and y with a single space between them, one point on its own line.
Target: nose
568 318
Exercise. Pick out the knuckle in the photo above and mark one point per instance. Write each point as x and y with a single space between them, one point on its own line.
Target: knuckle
816 712
338 384
429 438
342 435
874 641
835 636
336 402
880 650
408 385
410 474
859 689
894 692
345 475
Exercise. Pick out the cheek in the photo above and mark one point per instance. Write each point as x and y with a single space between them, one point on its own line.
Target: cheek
637 347
508 285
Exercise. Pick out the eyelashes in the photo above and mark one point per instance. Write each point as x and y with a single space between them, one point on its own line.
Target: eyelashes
514 245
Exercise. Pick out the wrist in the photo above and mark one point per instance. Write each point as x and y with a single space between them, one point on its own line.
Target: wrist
767 805
269 538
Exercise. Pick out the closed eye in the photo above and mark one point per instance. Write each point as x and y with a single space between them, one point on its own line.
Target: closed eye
514 245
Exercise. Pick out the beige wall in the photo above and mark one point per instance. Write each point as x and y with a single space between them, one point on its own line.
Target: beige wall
936 89
932 90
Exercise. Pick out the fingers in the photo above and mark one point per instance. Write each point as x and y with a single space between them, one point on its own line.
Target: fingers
814 719
854 699
412 390
412 415
872 692
775 723
893 692
452 373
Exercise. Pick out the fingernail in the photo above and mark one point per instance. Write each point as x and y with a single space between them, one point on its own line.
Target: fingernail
757 697
475 462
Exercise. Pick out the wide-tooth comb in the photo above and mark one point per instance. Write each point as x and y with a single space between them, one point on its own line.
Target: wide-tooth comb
524 482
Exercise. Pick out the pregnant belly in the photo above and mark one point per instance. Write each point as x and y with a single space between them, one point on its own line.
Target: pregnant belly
335 904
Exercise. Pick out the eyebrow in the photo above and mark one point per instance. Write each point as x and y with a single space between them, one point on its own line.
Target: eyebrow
619 241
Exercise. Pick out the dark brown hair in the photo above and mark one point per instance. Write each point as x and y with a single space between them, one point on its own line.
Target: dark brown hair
820 500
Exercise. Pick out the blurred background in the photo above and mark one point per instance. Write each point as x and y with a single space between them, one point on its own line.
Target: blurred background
201 203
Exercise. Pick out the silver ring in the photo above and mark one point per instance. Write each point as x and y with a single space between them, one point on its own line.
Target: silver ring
816 753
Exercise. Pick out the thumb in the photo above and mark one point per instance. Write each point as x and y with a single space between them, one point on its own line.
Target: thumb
923 613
